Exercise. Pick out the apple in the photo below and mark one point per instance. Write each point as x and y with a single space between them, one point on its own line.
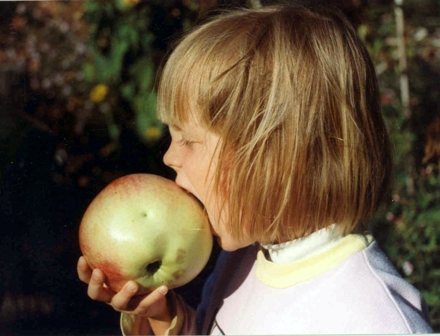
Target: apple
145 228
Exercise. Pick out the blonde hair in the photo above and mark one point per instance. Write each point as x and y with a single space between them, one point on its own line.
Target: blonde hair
294 96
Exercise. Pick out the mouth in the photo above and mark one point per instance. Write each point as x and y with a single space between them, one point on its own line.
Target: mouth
192 195
214 233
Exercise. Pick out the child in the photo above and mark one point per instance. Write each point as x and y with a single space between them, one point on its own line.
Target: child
276 128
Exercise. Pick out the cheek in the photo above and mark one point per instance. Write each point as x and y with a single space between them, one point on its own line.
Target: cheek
211 205
218 217
201 183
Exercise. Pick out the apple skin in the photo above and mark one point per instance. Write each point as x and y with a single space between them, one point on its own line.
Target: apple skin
145 228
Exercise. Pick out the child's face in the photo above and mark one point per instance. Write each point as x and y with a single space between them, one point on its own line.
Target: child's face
193 155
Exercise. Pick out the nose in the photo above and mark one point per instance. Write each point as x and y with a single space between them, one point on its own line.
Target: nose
171 157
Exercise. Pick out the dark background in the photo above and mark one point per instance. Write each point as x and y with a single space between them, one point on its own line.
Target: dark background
54 160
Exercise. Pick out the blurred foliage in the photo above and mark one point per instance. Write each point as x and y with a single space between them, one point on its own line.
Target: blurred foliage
91 84
87 72
408 227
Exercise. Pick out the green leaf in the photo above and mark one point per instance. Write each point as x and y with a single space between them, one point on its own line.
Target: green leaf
127 91
431 298
103 67
91 6
89 72
377 46
113 131
127 33
119 48
145 107
143 71
431 216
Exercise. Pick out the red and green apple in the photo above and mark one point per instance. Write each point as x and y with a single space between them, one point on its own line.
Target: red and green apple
145 228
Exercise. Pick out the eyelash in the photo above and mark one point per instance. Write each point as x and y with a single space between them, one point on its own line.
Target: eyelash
185 143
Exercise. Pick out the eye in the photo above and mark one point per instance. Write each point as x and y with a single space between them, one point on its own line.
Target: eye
185 143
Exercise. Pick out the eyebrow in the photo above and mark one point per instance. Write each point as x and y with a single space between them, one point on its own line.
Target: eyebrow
175 127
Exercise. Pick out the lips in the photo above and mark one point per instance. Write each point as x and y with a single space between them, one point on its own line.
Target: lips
214 233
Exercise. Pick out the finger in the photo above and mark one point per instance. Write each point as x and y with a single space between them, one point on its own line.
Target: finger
121 300
154 304
83 269
155 296
96 290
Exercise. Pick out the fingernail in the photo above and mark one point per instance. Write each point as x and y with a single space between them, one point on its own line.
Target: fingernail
163 290
96 276
131 287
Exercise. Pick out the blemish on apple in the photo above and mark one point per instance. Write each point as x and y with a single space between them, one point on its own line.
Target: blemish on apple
177 274
181 254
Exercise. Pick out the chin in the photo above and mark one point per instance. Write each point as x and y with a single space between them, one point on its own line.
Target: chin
230 246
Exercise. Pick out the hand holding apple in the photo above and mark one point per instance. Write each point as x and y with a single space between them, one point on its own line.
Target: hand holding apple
145 228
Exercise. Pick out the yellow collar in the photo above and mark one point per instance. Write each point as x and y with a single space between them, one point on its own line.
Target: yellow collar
289 274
